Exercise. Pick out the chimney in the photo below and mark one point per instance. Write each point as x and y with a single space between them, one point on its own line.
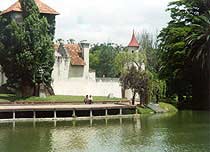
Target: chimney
86 49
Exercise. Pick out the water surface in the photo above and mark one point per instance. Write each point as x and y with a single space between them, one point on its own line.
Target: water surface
182 132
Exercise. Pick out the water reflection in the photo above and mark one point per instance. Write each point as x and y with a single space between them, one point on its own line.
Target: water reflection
185 131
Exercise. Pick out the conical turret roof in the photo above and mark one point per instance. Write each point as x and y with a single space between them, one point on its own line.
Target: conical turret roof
133 42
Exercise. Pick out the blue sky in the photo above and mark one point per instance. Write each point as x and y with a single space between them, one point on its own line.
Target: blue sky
105 20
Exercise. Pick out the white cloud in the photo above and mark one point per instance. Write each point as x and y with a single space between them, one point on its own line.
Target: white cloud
105 20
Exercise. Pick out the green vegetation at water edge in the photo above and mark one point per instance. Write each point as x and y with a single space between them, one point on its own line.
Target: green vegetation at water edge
144 110
57 98
168 107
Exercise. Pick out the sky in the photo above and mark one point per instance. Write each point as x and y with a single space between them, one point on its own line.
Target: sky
99 21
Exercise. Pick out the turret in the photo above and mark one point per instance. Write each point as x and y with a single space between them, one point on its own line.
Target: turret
133 45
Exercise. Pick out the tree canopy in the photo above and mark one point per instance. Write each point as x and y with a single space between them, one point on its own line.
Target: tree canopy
102 58
184 48
136 80
26 55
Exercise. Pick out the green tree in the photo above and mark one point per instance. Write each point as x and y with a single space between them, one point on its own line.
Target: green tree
157 87
125 59
172 52
185 44
132 76
27 56
102 58
148 43
136 80
199 53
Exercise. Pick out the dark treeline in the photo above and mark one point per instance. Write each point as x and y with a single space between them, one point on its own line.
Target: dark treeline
184 49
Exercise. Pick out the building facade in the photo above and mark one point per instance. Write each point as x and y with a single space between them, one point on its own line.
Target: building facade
72 61
71 74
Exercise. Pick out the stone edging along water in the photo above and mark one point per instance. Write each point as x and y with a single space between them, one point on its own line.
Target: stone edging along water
63 111
70 119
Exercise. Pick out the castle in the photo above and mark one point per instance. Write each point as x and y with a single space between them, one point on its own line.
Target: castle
71 74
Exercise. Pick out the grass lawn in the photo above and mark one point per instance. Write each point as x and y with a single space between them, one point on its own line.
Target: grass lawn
57 98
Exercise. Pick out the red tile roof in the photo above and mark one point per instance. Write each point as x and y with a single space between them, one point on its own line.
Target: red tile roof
133 42
43 8
74 50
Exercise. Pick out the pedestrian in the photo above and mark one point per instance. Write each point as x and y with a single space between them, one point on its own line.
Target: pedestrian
86 100
90 99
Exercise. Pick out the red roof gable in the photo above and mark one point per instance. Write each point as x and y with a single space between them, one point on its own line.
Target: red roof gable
74 50
133 42
43 8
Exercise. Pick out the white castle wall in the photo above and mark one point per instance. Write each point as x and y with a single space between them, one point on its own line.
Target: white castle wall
61 68
82 87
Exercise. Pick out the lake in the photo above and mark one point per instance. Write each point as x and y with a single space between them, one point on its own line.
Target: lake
185 131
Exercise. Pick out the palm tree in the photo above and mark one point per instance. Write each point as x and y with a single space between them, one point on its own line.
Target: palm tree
199 53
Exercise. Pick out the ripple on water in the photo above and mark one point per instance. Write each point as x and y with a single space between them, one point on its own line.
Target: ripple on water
144 134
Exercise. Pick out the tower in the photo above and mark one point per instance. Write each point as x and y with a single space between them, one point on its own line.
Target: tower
133 46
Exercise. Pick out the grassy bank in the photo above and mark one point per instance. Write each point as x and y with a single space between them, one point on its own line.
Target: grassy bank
145 110
169 108
57 98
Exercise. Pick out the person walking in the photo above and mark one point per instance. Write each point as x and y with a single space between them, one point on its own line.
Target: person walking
90 99
86 100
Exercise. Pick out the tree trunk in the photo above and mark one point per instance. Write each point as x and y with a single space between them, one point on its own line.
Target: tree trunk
201 85
49 90
157 98
180 98
142 98
133 98
123 92
26 89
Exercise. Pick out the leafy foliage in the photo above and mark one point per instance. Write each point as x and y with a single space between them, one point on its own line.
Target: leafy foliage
173 53
102 58
27 54
185 52
125 59
148 44
136 80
